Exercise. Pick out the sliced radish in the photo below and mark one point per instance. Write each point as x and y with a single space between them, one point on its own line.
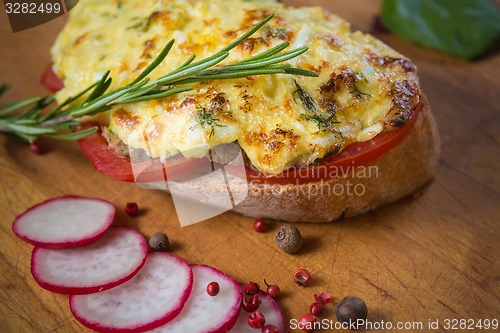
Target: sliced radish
269 308
208 314
65 222
151 298
111 260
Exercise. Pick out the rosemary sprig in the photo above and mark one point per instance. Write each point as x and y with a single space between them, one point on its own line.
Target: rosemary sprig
3 88
356 78
313 113
306 99
32 117
207 120
358 93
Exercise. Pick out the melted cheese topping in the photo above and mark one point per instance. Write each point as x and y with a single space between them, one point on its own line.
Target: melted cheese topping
364 87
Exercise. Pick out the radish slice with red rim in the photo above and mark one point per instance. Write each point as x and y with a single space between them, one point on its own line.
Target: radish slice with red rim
204 313
111 260
151 298
65 222
269 308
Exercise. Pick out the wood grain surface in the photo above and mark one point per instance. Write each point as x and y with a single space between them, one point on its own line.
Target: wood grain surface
427 258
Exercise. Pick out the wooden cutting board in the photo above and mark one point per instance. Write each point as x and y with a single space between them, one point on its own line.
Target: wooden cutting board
429 258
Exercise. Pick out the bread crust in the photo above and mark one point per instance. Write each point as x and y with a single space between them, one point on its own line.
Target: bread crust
401 171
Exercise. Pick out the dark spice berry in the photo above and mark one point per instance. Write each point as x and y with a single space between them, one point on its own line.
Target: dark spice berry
159 242
252 288
316 308
269 329
250 303
350 310
131 209
36 148
302 277
260 225
273 290
306 322
256 320
213 288
288 239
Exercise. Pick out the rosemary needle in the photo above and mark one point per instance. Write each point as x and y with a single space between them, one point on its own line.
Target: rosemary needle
29 118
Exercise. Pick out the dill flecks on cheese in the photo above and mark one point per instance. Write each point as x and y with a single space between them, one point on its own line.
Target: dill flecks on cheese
363 88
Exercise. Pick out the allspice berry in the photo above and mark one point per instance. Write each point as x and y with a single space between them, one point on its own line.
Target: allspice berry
352 310
288 238
159 242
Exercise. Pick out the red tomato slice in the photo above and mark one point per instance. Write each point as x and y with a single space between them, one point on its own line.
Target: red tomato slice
106 161
356 154
50 80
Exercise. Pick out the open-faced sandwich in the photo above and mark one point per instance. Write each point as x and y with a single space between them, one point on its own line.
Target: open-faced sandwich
357 136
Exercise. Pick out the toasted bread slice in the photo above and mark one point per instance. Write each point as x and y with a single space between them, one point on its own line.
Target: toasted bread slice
400 172
403 170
